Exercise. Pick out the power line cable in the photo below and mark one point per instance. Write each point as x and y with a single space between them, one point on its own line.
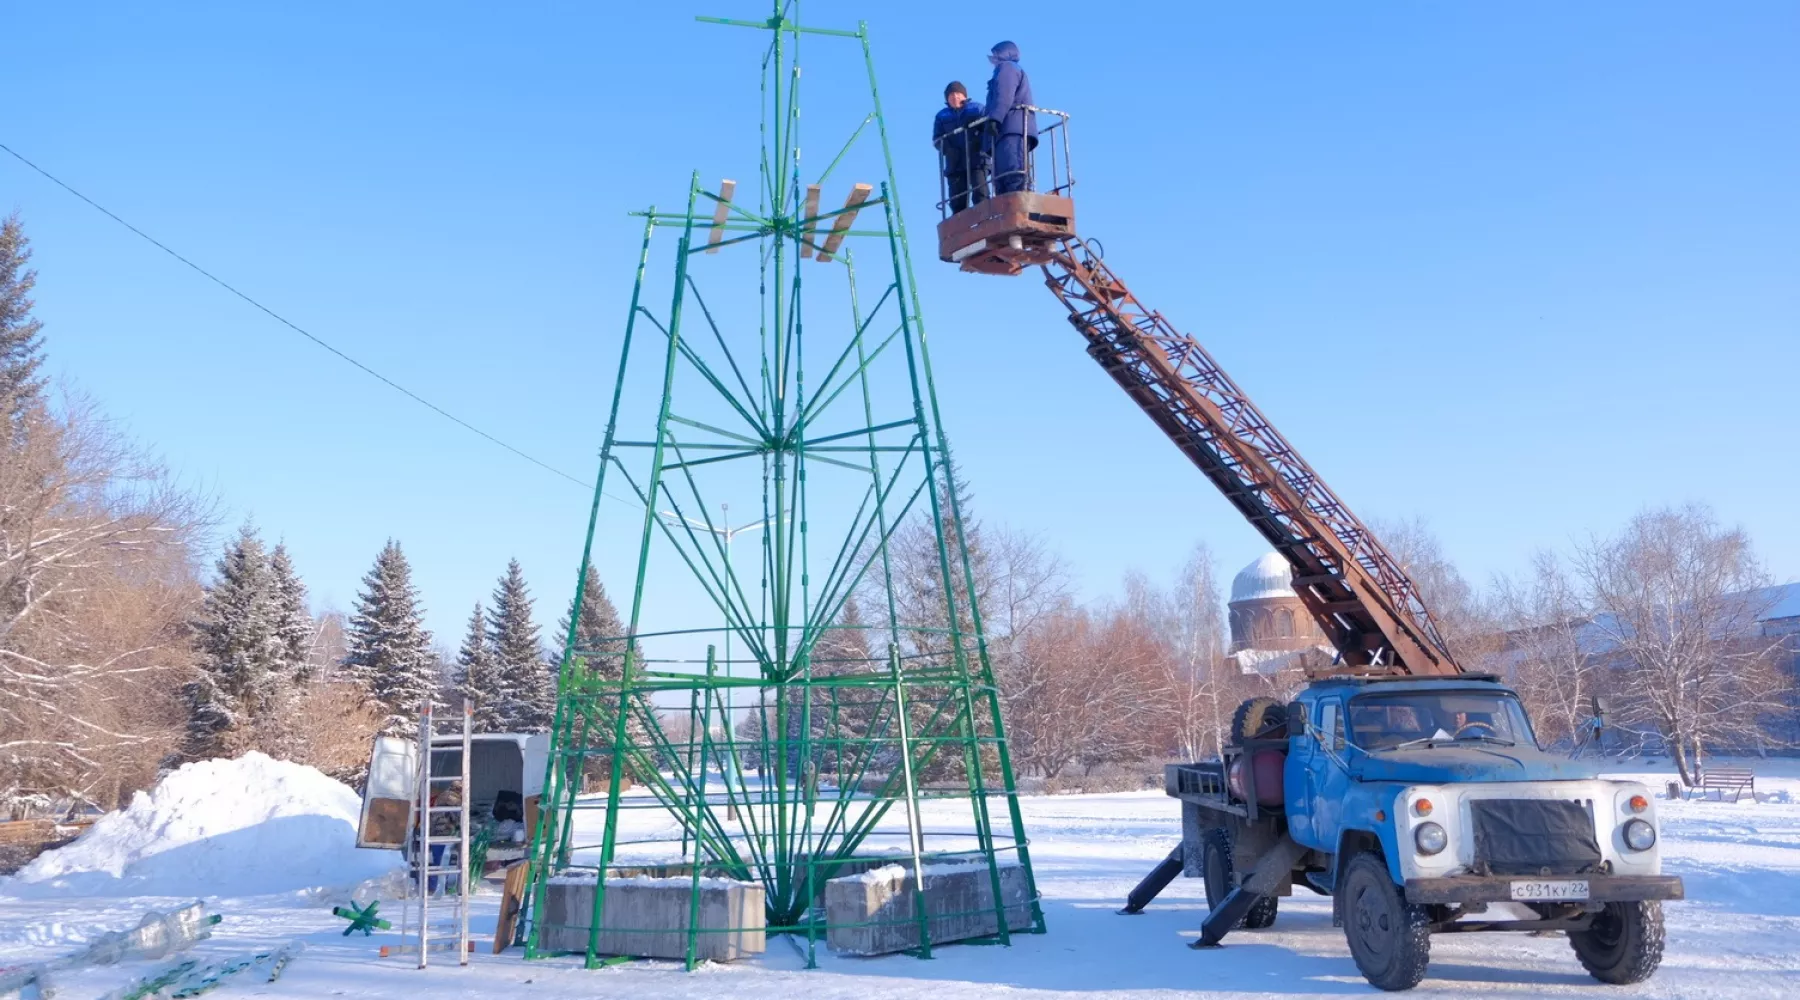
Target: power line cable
284 321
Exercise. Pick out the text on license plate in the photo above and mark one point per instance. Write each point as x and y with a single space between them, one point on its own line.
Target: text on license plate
1550 890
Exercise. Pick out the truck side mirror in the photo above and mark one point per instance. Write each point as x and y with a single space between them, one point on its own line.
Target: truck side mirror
1296 718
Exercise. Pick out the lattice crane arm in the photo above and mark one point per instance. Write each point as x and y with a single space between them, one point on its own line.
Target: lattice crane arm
1358 593
1362 599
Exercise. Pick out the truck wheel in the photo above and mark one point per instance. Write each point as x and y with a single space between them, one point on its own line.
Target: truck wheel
1389 938
1259 718
1624 944
1218 869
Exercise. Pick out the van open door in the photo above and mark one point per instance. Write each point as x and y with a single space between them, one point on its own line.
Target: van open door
536 753
388 794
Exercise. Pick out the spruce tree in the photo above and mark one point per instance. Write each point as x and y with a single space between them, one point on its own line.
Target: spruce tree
389 649
21 349
293 624
841 717
920 595
479 680
241 654
600 629
213 720
518 656
600 643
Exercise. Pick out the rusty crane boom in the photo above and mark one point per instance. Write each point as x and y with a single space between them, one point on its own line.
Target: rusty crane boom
1359 594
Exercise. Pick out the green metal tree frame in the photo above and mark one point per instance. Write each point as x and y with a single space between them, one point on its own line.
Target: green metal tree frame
842 720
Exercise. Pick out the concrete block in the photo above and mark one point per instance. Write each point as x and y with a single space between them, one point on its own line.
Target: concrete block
872 913
854 866
647 917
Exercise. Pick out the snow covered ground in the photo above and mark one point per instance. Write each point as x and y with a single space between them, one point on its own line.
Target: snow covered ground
1738 935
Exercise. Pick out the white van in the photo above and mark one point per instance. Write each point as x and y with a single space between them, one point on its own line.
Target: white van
506 778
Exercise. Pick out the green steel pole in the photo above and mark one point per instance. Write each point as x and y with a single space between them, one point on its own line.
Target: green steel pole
913 837
550 798
620 740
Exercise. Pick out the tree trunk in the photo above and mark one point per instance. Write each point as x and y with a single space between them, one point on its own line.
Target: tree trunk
1681 761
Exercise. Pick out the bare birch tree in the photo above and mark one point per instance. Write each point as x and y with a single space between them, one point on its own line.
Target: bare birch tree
96 584
1678 599
1203 689
1543 617
1464 620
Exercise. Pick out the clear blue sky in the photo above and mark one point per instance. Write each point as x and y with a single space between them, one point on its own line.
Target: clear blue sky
1521 269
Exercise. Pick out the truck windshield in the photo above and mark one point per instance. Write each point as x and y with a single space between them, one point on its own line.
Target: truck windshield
1385 721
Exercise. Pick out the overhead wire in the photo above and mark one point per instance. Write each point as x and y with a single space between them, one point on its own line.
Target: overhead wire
316 340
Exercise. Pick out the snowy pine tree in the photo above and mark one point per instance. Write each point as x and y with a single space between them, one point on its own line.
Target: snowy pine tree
599 641
478 679
241 654
518 656
600 629
389 649
842 716
919 594
21 352
293 624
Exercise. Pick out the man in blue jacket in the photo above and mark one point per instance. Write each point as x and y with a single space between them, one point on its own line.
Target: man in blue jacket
965 154
1015 129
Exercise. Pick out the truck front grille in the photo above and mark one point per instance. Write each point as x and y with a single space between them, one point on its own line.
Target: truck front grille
1534 837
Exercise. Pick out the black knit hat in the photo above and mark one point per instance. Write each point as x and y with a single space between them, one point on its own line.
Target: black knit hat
956 87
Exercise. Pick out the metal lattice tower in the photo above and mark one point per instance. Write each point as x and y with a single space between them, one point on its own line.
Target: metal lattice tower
805 709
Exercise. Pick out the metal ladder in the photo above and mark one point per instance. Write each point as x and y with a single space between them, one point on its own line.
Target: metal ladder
453 868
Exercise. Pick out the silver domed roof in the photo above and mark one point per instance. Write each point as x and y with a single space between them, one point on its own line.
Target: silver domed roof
1269 576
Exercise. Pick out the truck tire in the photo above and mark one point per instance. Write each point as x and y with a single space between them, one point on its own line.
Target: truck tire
1624 944
1389 938
1259 718
1218 870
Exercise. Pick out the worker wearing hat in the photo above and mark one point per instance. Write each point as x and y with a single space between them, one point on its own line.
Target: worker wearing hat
1015 128
964 148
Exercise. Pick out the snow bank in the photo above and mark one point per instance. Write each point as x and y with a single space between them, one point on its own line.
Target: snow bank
899 872
219 827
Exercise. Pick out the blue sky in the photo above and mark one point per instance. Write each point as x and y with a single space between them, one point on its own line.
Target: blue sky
1519 269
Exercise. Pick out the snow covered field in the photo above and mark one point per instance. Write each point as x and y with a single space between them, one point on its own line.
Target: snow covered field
1738 935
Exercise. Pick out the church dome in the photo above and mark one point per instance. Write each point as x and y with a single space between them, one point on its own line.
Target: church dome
1267 577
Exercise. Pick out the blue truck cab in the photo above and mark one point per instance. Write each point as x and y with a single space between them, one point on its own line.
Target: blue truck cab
1421 805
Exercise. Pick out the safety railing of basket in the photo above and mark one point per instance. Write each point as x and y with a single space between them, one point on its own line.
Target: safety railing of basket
977 137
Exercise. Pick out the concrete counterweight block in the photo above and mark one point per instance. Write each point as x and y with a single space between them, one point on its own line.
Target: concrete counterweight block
648 917
872 913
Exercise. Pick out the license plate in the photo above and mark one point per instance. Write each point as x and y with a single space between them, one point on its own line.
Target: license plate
1542 892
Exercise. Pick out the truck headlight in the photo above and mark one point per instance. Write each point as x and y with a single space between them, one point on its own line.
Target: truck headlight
1430 838
1639 835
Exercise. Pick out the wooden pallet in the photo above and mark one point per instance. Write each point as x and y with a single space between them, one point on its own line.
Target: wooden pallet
512 903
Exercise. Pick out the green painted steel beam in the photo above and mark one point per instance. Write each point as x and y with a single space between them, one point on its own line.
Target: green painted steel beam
817 735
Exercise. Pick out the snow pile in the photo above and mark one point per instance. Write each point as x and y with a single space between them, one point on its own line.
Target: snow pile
651 881
900 872
218 827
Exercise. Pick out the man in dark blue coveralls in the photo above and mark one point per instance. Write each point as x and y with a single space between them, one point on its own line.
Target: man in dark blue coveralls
1015 130
966 153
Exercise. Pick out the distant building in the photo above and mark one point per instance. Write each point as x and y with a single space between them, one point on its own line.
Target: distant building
1271 630
1782 622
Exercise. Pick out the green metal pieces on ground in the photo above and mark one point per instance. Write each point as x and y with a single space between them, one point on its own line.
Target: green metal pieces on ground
362 918
194 977
153 984
840 706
